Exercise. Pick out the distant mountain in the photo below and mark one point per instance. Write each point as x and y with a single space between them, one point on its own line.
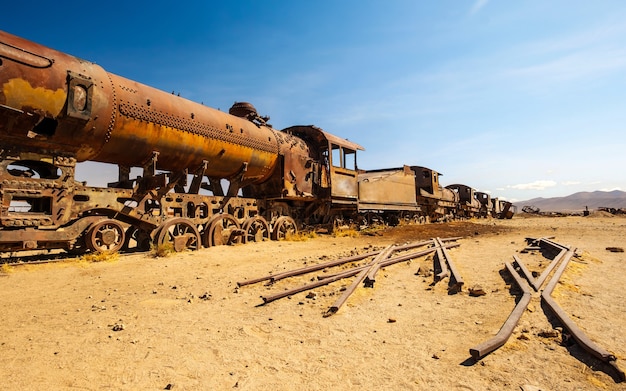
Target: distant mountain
578 201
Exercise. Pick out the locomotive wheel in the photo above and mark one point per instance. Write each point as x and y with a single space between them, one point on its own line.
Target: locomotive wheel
222 229
181 233
106 235
256 229
284 227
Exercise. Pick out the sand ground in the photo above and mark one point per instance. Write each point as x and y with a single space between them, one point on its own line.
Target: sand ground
182 323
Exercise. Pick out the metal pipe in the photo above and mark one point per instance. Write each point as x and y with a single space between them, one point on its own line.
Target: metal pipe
507 328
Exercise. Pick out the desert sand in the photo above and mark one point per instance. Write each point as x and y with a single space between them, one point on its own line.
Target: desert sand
182 323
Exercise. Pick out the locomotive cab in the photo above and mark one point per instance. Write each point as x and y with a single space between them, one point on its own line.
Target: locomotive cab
333 163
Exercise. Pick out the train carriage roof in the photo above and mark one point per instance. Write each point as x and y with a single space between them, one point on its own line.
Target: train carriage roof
317 135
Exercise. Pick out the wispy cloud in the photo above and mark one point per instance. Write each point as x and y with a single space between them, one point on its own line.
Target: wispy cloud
570 183
477 6
536 185
583 64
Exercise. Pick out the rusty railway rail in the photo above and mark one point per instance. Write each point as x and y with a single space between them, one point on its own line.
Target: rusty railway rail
456 281
364 274
55 258
308 269
324 280
562 259
579 336
509 325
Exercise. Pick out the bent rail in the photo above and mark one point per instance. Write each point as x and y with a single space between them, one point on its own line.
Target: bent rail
507 328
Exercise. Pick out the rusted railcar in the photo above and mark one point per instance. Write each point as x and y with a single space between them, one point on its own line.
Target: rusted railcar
469 206
406 193
389 195
486 205
439 203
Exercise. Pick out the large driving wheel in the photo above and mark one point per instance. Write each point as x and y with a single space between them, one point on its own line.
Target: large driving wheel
181 233
222 229
106 235
256 229
284 227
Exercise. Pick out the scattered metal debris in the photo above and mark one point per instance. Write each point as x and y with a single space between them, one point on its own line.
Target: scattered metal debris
530 209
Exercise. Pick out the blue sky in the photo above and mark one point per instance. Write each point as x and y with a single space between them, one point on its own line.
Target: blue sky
520 99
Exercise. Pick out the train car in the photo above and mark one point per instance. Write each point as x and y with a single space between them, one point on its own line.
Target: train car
503 209
439 203
469 206
486 205
388 195
411 193
327 173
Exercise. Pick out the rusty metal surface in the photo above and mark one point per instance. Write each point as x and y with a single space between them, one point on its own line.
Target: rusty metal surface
279 276
484 348
467 200
335 173
77 107
456 281
326 279
371 267
318 136
526 273
387 190
57 110
576 332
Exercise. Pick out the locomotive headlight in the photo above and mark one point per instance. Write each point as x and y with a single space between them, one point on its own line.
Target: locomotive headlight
79 96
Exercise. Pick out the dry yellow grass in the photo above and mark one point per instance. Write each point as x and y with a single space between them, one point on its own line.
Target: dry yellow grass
162 250
347 232
104 256
6 269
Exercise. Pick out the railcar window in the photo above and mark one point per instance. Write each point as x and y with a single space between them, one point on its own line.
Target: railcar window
349 159
336 156
344 158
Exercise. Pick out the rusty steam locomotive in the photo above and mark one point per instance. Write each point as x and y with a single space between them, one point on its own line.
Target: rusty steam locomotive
207 177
